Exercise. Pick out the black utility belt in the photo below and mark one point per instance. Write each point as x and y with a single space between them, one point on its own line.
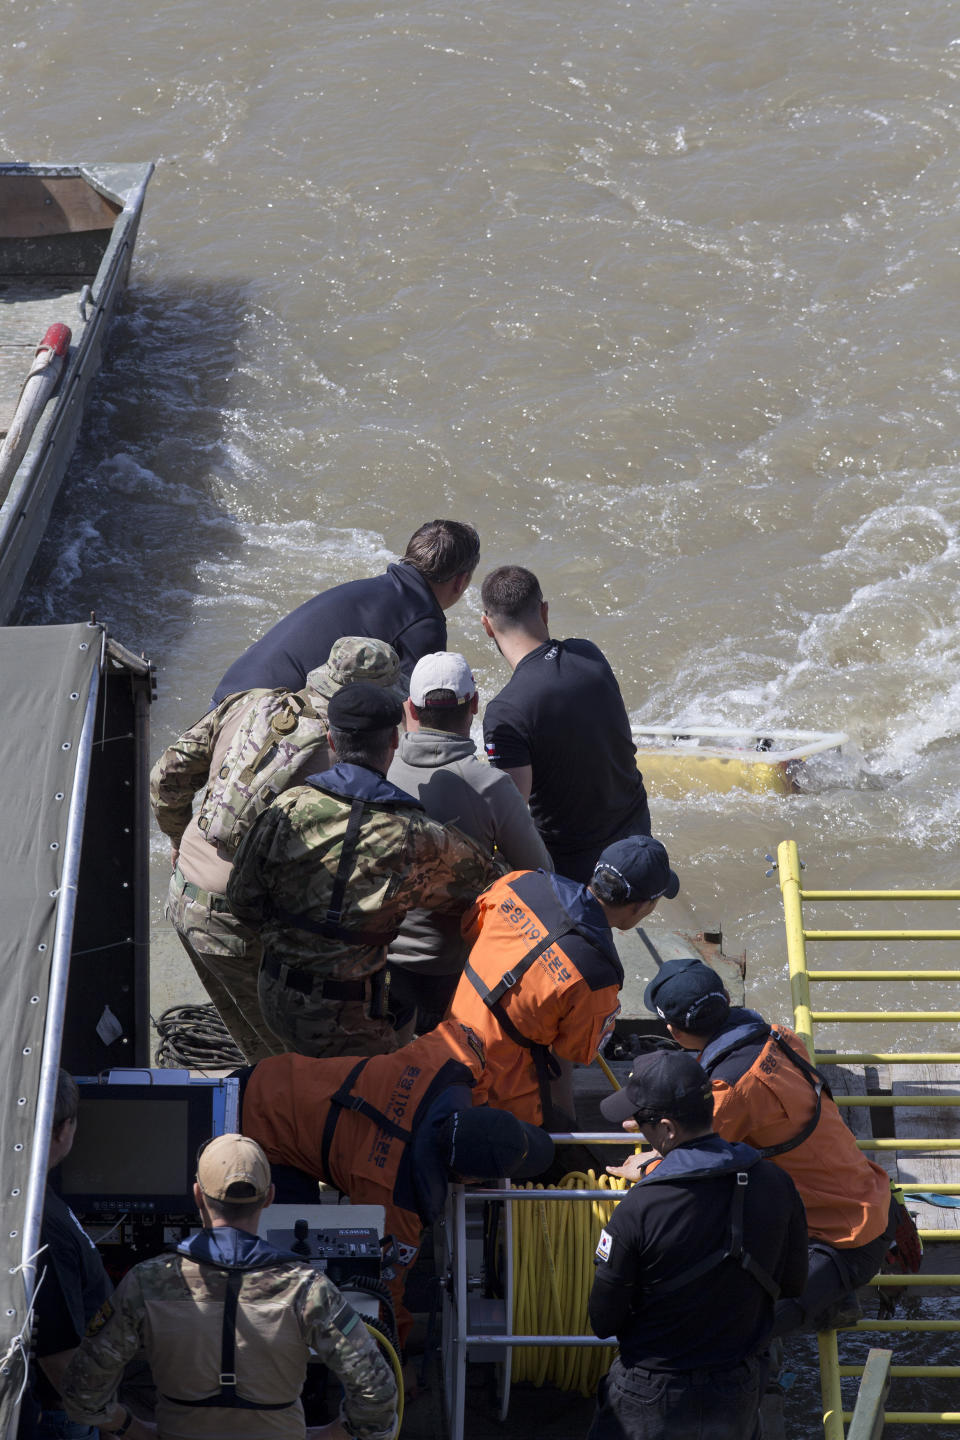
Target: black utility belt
307 982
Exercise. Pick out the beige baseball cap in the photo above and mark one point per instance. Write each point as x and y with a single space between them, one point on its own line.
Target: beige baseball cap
232 1167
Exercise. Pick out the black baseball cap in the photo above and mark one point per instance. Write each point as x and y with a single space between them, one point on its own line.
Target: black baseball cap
689 994
363 707
486 1144
666 1082
643 864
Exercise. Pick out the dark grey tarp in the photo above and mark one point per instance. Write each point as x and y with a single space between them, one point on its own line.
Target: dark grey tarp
48 683
61 710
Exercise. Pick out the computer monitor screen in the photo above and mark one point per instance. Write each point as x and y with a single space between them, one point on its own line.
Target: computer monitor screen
136 1147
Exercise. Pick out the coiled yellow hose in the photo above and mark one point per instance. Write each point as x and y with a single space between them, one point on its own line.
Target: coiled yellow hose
553 1252
394 1359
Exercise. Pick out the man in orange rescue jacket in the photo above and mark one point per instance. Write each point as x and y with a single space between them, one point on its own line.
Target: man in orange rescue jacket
767 1094
390 1130
541 984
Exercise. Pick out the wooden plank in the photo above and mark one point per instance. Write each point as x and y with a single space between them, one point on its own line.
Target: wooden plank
928 1167
866 1423
35 205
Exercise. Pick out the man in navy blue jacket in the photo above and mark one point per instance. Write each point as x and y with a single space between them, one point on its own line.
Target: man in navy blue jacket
689 1267
404 606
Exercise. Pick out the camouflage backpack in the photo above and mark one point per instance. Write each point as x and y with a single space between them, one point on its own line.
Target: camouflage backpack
275 738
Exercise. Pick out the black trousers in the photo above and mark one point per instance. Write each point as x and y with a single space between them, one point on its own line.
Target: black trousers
578 864
637 1404
833 1273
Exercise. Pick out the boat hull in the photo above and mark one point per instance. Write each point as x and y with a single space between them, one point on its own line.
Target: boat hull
90 305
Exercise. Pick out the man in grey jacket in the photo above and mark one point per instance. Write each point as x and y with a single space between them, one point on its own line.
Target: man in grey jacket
437 764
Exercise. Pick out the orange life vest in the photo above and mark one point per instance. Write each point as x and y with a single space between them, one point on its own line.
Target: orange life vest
846 1196
535 982
349 1120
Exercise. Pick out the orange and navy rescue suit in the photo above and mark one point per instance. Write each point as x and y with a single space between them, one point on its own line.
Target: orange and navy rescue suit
364 1124
543 976
764 1098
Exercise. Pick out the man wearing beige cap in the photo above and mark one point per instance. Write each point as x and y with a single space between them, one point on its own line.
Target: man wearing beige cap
437 764
246 751
228 1323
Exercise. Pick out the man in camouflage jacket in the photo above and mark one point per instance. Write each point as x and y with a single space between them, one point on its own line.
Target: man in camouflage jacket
329 871
228 1323
231 751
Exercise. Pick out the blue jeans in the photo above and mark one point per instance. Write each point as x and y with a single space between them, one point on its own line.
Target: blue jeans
636 1404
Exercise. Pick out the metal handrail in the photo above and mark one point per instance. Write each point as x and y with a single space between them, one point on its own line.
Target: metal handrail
457 1201
867 1422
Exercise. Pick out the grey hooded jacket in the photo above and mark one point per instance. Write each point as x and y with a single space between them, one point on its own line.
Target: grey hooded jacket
442 772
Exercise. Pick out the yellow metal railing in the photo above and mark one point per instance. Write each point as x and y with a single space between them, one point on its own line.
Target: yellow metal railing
805 1019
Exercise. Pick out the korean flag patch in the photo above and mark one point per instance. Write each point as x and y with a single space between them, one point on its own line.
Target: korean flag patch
605 1246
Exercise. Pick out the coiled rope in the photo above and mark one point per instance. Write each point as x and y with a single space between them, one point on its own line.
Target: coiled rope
193 1037
554 1242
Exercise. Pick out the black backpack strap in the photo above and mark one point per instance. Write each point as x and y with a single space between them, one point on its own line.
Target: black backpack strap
330 927
818 1084
344 1099
564 926
228 1339
333 1115
347 853
544 1062
227 1397
734 1251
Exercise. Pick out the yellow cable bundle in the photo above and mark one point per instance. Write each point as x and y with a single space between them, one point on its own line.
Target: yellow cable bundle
394 1359
554 1242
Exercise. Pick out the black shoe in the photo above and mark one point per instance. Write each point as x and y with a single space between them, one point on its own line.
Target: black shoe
844 1312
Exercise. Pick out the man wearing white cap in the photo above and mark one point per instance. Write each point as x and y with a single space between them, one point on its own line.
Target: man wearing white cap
228 1324
437 763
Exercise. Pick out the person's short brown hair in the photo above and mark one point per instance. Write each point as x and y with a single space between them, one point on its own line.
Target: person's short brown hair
441 715
232 1212
371 748
66 1106
511 595
443 549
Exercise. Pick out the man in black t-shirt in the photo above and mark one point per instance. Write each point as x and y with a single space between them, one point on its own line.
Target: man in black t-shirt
559 728
404 606
689 1267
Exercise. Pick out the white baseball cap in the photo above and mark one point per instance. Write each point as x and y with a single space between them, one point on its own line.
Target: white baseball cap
445 670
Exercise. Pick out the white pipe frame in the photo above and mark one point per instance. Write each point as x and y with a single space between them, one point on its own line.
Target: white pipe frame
57 989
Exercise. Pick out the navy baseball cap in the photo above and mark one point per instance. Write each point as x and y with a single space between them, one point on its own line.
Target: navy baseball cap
487 1144
363 707
689 994
643 864
666 1082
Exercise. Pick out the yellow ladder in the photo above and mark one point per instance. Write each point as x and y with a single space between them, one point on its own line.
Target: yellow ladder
799 936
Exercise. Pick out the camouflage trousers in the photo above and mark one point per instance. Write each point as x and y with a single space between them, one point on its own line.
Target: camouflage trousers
226 956
310 1023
